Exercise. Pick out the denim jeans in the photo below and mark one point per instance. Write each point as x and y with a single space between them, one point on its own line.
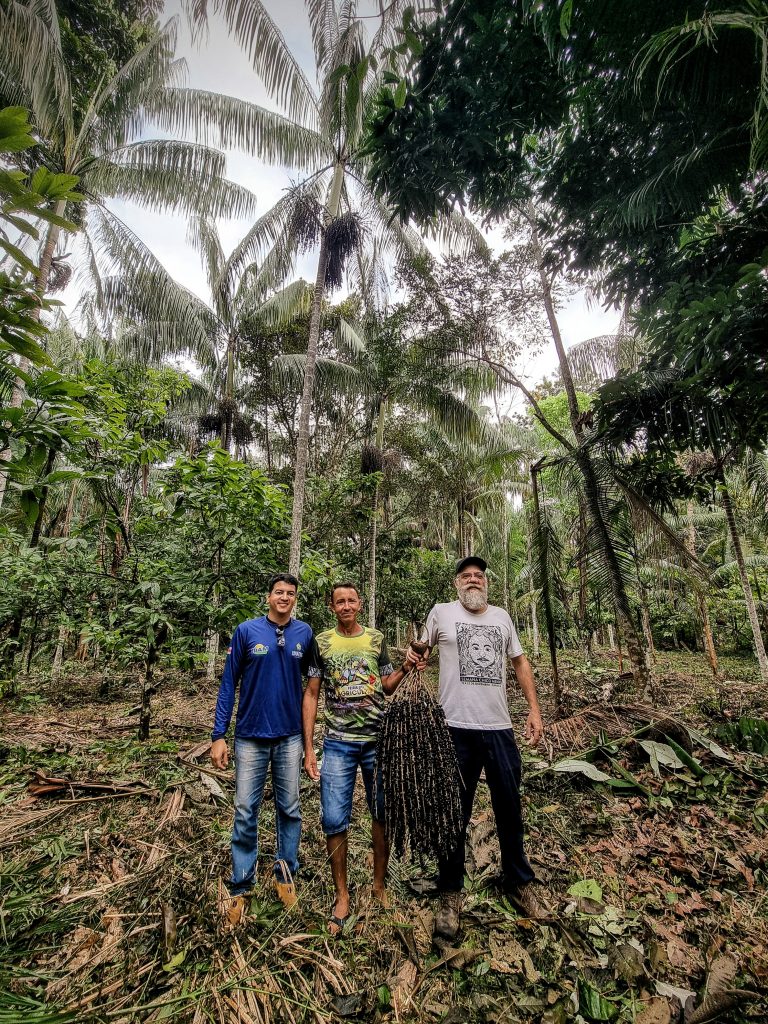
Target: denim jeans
338 772
496 751
252 758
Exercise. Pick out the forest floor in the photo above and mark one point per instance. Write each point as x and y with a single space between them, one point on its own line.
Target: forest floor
112 853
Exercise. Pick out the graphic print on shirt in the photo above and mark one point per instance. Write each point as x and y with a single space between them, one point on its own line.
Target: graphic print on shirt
352 668
481 652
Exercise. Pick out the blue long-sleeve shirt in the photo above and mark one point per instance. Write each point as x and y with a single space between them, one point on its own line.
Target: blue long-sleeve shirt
269 676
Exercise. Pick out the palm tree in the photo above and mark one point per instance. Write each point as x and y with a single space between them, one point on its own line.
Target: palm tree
318 132
111 156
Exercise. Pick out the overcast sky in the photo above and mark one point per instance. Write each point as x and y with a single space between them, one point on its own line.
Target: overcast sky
217 64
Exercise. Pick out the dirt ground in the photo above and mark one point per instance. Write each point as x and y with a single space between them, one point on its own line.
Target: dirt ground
112 854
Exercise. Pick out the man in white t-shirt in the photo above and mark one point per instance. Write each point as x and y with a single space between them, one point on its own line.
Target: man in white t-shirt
474 640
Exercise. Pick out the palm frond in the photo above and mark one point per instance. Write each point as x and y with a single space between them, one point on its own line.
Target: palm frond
233 123
324 27
34 73
285 305
253 28
117 113
142 290
169 175
332 375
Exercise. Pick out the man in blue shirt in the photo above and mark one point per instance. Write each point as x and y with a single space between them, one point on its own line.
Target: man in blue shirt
267 658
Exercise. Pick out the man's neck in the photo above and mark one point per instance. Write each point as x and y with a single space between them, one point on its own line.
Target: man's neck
354 630
278 620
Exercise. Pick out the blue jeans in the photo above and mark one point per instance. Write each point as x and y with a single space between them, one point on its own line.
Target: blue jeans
252 758
338 771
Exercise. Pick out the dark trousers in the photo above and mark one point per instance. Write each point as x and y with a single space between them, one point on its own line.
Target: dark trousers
496 751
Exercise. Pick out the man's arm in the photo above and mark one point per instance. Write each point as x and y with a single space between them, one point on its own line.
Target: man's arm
225 701
308 719
534 726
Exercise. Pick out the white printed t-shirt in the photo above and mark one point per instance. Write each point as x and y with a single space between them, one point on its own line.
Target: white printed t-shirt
474 647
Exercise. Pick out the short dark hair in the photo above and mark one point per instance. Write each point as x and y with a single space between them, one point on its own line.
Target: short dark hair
344 585
281 577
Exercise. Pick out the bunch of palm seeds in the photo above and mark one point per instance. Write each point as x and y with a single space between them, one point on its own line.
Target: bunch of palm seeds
420 776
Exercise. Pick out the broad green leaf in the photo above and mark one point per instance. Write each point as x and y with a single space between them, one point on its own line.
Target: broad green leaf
660 754
588 889
400 94
593 1005
573 765
708 744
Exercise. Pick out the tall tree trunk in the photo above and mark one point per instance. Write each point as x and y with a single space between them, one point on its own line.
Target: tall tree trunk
380 426
505 549
41 287
754 622
228 405
557 690
582 561
37 528
701 600
534 612
267 441
213 640
310 368
637 654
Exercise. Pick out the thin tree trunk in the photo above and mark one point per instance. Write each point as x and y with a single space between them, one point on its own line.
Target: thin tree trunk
37 528
228 405
638 656
754 622
557 690
213 639
372 560
380 426
646 620
505 549
310 368
701 600
267 441
58 657
41 287
534 612
611 638
29 646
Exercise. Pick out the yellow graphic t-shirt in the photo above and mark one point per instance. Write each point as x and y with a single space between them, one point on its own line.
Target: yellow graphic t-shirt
352 667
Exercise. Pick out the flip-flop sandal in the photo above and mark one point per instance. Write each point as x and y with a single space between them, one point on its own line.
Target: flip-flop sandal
284 886
337 922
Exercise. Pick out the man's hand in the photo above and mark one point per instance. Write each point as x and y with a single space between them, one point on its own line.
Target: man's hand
310 764
534 728
220 754
414 660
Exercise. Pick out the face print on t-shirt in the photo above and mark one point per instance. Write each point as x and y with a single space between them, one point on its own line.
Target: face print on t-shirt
480 654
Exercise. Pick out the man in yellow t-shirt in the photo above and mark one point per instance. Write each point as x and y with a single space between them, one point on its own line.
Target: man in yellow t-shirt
357 673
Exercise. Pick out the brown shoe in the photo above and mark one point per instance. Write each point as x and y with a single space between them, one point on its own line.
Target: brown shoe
235 910
448 916
284 885
529 904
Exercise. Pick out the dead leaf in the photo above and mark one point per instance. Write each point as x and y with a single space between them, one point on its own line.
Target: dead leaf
684 996
722 971
626 959
655 1012
509 956
403 986
684 956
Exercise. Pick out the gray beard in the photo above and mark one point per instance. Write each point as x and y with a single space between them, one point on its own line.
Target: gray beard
474 600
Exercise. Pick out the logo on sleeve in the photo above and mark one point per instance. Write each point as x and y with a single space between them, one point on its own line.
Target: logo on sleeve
259 649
